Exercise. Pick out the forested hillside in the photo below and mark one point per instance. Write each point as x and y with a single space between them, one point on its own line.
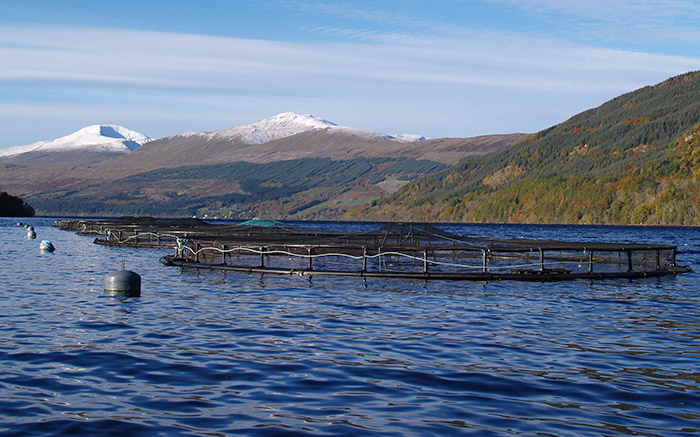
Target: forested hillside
298 188
12 206
633 160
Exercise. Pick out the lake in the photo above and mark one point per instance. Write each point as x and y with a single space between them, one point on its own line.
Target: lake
212 353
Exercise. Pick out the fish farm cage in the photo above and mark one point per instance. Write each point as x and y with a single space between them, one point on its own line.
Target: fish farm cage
400 250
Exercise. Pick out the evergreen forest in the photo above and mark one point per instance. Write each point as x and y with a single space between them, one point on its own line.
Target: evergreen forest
306 188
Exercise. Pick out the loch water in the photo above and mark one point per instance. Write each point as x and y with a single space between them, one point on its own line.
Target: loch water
212 353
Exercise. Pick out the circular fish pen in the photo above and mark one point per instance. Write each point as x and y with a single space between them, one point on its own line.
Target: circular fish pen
416 250
400 250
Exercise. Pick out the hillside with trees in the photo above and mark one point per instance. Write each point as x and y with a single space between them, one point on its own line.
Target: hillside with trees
12 206
307 188
632 160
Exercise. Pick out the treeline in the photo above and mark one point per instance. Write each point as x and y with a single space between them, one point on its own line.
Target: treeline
306 171
291 172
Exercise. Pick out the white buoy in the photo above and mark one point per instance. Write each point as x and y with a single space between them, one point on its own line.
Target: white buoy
123 283
31 234
46 246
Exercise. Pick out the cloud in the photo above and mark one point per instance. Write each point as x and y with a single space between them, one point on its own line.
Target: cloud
656 23
619 10
182 62
122 73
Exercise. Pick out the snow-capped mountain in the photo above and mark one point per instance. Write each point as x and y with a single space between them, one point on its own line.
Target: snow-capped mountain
288 124
95 138
289 136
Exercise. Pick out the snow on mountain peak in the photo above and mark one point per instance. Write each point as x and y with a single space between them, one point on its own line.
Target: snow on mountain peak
409 138
287 124
97 138
274 128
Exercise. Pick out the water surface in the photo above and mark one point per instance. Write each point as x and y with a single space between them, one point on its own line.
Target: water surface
208 353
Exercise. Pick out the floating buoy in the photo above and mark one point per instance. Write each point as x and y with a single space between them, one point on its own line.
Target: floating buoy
31 234
19 224
123 282
46 246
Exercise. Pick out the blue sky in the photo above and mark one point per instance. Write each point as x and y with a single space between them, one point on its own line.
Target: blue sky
453 68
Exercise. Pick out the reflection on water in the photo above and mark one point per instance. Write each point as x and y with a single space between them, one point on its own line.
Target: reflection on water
204 352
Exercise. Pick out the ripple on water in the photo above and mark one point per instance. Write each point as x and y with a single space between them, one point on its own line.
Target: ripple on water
206 353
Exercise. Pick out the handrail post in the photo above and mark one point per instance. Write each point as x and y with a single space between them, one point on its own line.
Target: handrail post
629 260
364 258
262 256
484 261
310 250
541 260
425 261
590 261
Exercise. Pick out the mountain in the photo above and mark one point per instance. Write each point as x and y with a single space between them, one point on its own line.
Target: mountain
286 166
89 145
288 124
632 160
292 136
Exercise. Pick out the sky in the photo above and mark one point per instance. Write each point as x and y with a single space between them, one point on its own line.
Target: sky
452 68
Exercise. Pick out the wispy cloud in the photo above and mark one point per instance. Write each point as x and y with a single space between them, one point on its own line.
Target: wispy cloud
618 10
461 76
657 22
646 26
130 58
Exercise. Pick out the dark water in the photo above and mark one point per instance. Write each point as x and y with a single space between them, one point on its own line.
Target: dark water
218 354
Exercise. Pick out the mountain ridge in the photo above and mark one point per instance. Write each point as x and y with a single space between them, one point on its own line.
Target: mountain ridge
325 170
292 136
287 124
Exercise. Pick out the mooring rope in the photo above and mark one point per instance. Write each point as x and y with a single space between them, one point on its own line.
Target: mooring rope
110 233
